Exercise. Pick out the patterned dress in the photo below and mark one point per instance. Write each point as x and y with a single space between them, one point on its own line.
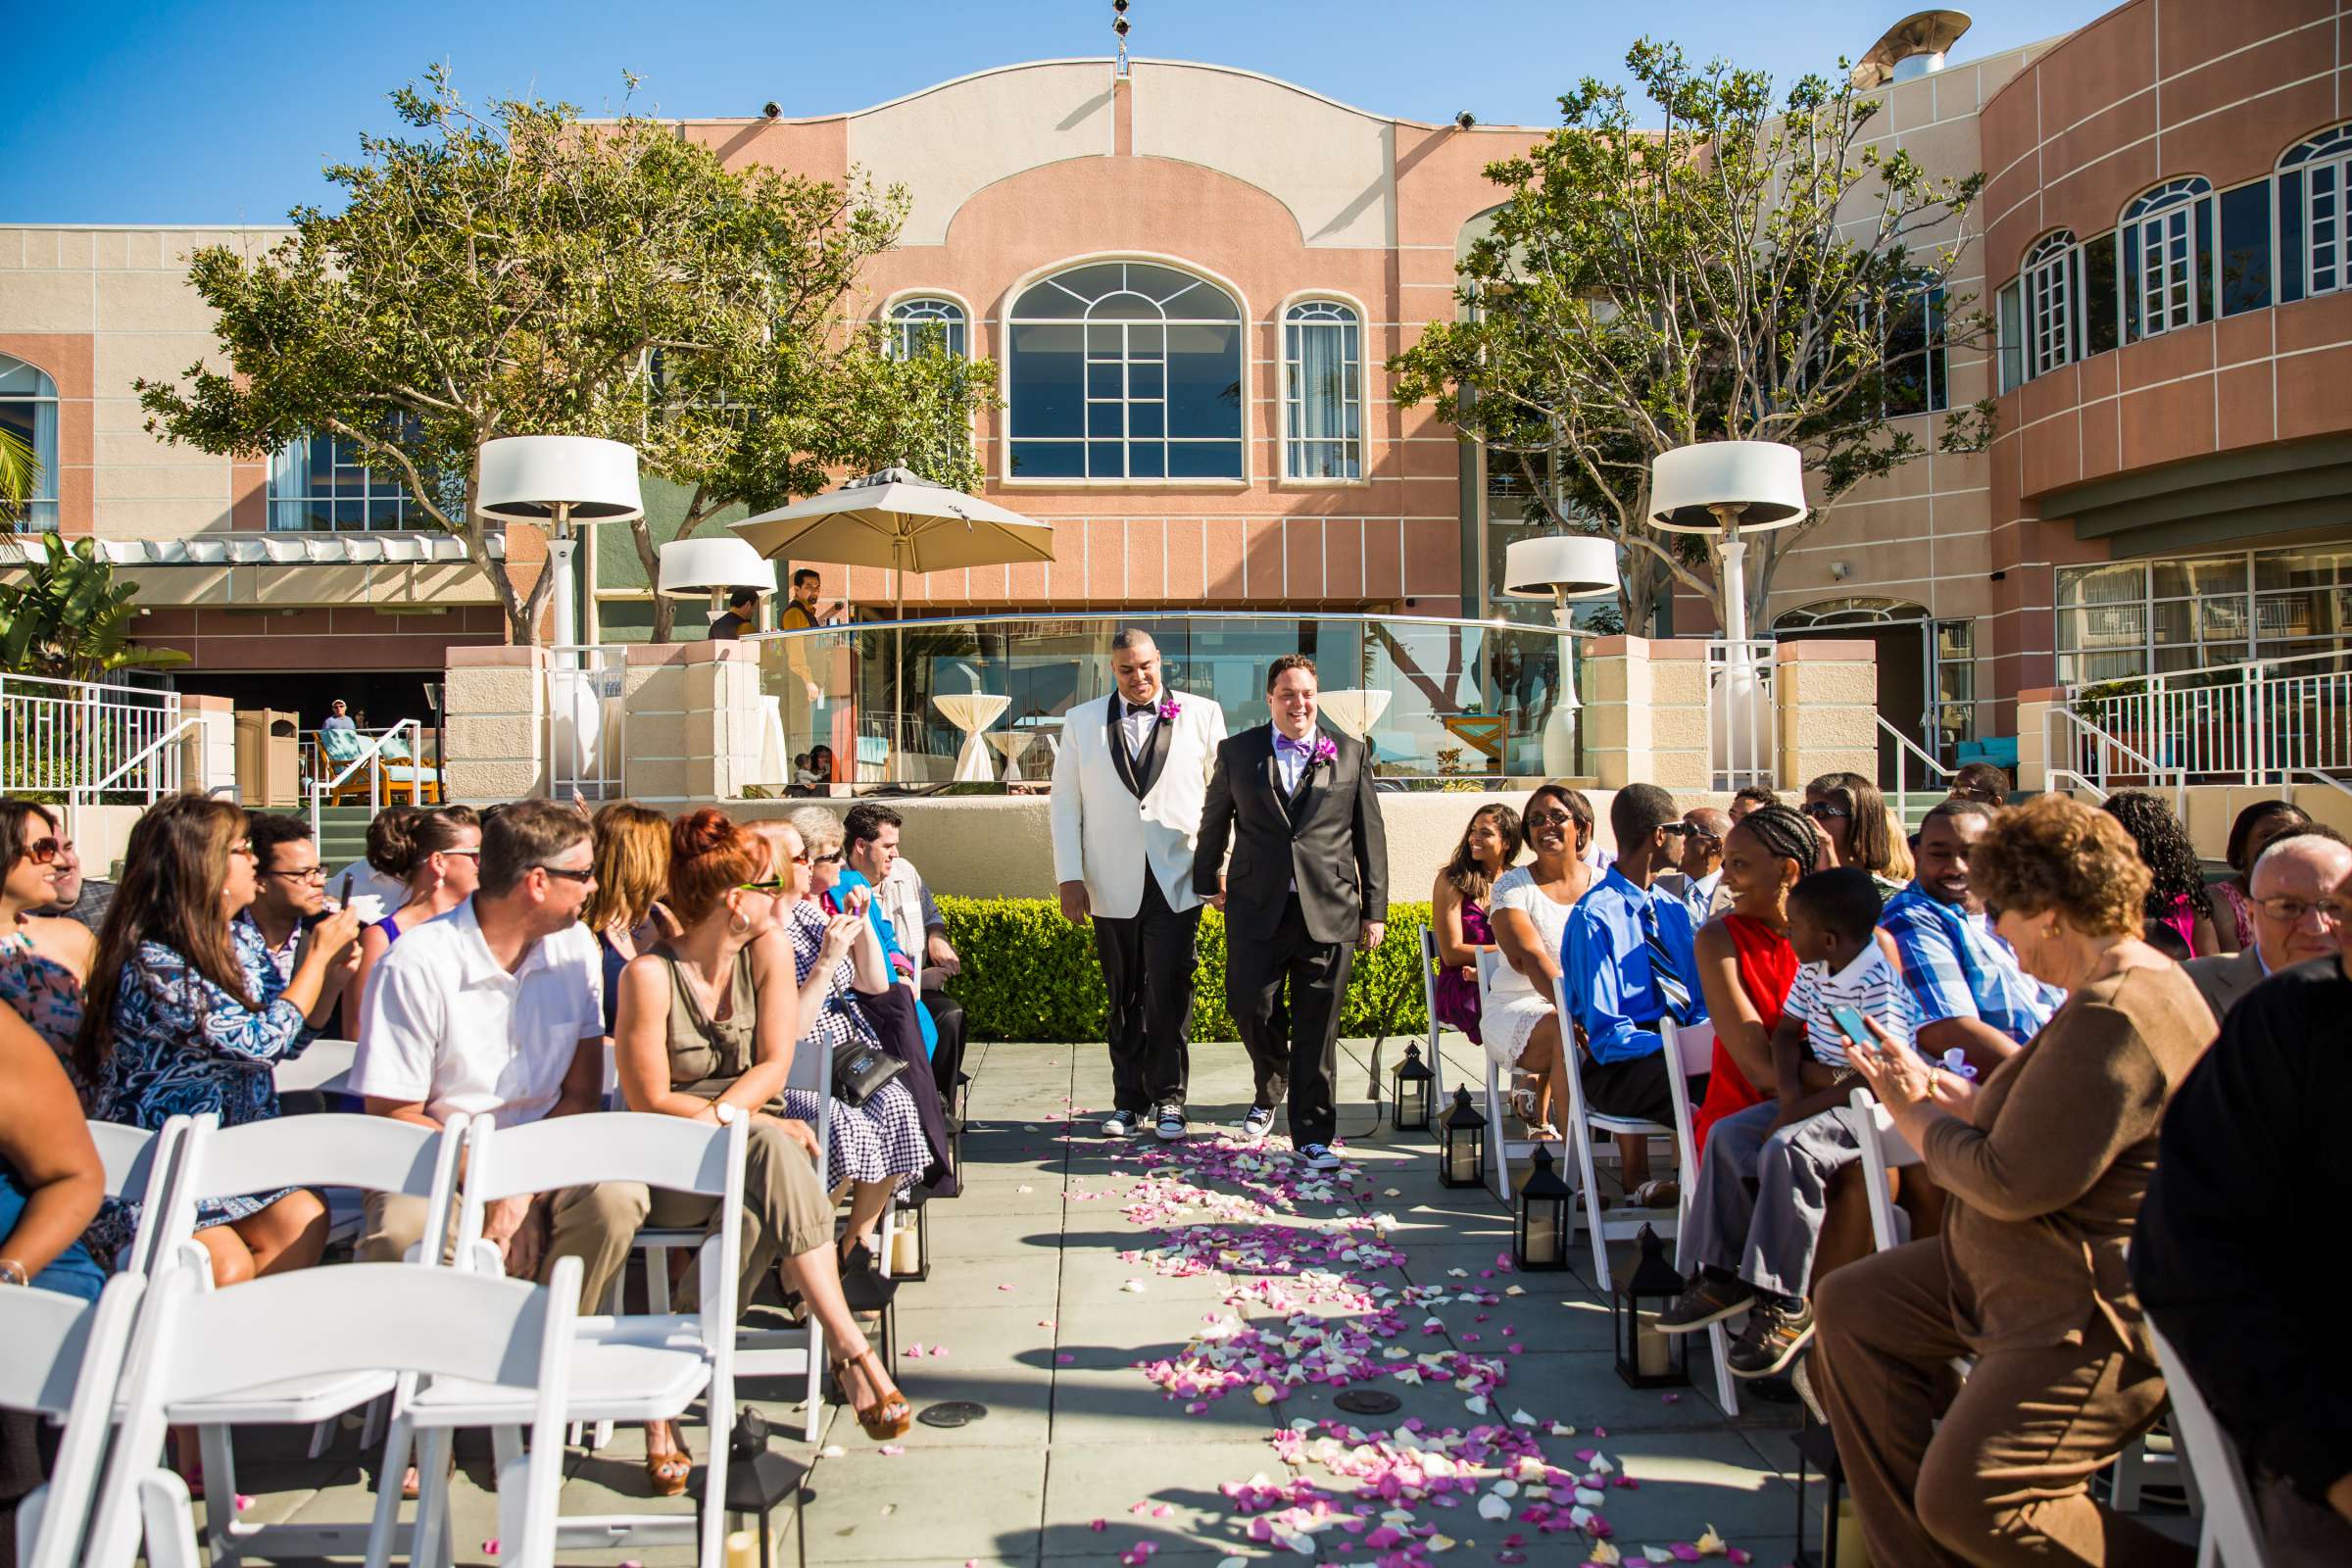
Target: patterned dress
881 1140
182 1045
46 995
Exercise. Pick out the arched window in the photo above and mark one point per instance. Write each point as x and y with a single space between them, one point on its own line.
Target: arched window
918 324
29 411
1125 371
2312 177
2168 257
1323 392
2049 273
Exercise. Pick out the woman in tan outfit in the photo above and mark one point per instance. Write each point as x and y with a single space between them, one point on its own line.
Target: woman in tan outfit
2045 1163
706 1027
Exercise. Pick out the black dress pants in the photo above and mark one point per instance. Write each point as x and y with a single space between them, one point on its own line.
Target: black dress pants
947 1060
1293 1048
1147 964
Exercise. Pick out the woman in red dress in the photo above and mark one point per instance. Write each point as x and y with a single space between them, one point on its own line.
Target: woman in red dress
1746 964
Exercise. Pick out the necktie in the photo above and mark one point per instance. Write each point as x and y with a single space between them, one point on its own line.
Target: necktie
1663 977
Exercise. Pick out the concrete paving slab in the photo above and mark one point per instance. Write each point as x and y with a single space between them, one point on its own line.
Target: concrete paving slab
940 1502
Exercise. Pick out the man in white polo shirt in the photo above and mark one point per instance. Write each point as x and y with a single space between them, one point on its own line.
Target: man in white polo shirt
494 1010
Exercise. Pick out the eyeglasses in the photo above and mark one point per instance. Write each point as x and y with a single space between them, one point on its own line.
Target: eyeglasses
569 875
2290 911
772 885
42 851
1823 812
244 847
829 857
476 854
1548 819
315 873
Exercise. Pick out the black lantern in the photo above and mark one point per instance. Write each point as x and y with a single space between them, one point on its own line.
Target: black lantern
1544 1217
757 1479
910 1238
1409 1088
1840 1531
1462 1157
1647 1356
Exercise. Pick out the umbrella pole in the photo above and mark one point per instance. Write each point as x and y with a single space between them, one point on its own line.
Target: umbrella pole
898 675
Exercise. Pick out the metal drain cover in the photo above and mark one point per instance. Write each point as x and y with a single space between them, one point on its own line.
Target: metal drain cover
953 1413
1369 1402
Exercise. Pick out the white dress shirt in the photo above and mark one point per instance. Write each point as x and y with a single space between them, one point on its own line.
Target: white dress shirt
1287 764
1135 729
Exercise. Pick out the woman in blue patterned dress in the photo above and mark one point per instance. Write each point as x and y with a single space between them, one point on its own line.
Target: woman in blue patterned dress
186 1015
43 962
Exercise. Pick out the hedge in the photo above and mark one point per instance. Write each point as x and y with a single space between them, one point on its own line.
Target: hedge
1029 975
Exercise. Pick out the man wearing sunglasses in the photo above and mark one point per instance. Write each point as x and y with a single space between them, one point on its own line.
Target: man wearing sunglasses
2298 915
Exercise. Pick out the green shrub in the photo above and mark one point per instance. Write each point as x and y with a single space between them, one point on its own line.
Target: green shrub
1029 975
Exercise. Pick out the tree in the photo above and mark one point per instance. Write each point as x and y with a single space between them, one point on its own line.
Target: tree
1751 271
523 271
19 476
68 618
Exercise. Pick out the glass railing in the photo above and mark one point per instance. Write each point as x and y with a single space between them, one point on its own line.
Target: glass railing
984 699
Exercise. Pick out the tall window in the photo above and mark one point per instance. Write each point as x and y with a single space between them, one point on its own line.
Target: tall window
318 482
2123 620
2049 281
1125 371
2312 178
2167 250
29 411
1324 394
916 325
1915 354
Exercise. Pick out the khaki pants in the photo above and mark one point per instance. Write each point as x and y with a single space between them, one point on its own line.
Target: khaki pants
2005 1478
785 1213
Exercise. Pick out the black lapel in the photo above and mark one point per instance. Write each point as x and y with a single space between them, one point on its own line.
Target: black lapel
1271 771
1155 755
1116 739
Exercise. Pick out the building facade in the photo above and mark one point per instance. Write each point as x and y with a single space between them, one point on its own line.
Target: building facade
1191 277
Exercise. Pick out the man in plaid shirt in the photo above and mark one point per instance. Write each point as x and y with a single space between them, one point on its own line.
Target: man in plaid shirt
1967 990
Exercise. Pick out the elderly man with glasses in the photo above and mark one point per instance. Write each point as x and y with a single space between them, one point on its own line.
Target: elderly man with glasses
2298 898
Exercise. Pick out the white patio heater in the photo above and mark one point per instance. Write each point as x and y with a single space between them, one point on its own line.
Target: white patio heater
1561 567
562 480
1727 489
712 568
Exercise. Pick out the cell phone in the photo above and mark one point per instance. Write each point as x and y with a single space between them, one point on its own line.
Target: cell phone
1849 1020
343 897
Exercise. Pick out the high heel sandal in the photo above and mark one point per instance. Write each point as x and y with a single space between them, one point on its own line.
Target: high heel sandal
885 1418
669 1473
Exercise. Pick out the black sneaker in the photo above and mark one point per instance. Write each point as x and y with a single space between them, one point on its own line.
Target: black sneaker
1169 1125
1775 1334
1318 1156
1257 1124
1709 1299
1121 1124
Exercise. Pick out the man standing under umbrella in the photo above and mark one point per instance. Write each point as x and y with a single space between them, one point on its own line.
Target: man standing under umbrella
1128 783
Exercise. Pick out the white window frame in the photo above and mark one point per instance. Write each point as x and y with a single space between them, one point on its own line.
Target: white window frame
2325 158
376 485
2049 303
39 514
2164 221
1322 313
910 316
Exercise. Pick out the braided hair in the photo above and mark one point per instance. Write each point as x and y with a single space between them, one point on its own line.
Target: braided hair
1785 833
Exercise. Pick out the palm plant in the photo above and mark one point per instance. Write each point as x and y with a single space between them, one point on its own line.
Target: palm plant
19 476
66 617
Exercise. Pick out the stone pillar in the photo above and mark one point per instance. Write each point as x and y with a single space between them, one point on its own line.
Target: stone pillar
208 755
698 721
1827 693
2033 737
496 703
1645 713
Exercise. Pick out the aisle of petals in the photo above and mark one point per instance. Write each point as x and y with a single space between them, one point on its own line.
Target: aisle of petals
1415 1490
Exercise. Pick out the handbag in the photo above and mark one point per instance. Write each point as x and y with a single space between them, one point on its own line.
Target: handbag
860 1071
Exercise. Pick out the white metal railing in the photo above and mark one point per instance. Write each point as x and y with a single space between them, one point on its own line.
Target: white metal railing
1743 719
372 761
151 774
2244 723
1907 750
587 721
2084 756
73 737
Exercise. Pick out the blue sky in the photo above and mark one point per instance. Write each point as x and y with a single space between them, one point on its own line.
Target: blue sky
203 112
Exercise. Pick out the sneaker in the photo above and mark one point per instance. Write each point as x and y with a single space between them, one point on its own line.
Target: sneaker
1121 1124
1170 1126
1318 1156
1709 1299
1258 1123
1775 1334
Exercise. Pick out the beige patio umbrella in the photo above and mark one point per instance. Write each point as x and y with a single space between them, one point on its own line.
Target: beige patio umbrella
900 521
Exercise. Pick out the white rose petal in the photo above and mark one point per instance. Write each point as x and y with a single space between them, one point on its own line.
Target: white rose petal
1490 1506
1521 1418
1477 1404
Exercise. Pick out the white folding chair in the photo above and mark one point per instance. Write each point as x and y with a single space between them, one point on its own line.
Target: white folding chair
1584 1123
1882 1149
195 1345
369 1153
627 1368
1433 1049
64 1357
323 1068
140 1167
1500 1147
2231 1533
1692 1049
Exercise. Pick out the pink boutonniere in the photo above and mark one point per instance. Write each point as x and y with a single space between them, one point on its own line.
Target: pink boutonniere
1169 707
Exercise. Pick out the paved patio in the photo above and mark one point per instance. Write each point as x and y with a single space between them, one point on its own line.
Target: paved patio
1033 1311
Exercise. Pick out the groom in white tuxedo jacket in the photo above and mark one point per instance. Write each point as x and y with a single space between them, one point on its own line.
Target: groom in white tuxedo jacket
1128 785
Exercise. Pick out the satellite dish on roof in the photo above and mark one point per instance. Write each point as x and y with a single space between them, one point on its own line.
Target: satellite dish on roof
1912 47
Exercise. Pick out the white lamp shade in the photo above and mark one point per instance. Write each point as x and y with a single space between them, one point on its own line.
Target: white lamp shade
692 567
1764 479
524 478
1569 565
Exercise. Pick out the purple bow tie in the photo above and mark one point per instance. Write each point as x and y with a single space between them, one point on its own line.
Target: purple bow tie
1283 742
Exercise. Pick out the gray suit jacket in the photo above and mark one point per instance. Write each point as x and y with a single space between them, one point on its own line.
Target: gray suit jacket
2224 978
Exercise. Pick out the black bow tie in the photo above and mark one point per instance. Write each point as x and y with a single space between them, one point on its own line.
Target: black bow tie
1133 708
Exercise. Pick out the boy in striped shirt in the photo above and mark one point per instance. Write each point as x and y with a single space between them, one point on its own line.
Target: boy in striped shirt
1764 1177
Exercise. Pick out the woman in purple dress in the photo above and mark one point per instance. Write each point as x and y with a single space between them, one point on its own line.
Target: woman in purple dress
1457 910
